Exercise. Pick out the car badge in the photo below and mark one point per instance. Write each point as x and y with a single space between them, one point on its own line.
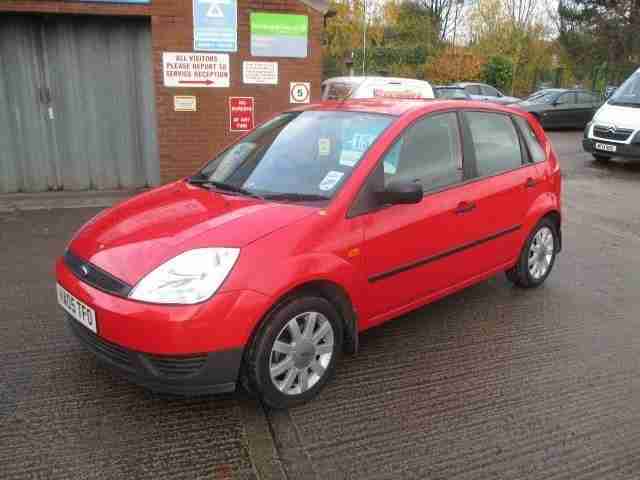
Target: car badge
611 129
84 270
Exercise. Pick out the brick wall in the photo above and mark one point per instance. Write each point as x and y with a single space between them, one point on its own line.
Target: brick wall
188 139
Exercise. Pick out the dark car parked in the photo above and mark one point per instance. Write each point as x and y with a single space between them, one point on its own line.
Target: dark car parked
451 92
542 91
563 108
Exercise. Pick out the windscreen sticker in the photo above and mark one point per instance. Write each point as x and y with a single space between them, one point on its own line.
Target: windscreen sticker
349 158
389 168
362 141
330 180
324 146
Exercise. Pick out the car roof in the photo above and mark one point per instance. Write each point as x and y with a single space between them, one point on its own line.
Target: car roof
453 87
550 90
570 90
355 79
399 107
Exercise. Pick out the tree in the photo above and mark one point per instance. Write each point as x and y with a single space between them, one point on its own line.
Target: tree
409 23
400 35
512 29
344 32
600 34
498 71
454 64
445 13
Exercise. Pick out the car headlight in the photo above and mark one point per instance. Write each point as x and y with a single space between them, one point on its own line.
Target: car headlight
191 277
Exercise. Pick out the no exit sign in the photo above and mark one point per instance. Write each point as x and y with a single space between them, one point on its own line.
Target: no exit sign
241 114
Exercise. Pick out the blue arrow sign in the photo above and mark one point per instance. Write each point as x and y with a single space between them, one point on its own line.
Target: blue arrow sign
215 25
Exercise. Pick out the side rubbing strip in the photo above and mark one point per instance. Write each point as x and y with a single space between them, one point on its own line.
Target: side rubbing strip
439 256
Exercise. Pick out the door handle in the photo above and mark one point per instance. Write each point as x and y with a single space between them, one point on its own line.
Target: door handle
464 207
530 183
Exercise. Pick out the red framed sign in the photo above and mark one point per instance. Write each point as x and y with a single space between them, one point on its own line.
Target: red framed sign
241 114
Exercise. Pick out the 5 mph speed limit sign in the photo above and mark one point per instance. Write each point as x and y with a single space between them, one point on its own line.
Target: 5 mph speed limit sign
299 92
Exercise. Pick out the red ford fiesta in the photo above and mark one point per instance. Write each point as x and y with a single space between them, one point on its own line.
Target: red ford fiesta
265 265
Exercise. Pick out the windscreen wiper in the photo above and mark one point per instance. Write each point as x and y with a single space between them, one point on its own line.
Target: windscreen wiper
296 197
202 180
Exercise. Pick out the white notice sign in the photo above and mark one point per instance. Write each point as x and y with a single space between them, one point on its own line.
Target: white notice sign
184 103
195 69
260 73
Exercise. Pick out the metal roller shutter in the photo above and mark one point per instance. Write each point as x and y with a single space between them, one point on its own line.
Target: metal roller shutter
81 106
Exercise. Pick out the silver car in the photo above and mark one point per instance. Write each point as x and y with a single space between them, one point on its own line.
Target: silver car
482 91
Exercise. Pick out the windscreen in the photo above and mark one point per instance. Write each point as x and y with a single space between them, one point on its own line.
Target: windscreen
308 153
339 90
628 95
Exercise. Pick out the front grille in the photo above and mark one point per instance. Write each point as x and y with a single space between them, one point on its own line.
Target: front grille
619 134
95 277
101 347
177 366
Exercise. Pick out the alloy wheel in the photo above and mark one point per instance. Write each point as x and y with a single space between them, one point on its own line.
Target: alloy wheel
301 353
541 253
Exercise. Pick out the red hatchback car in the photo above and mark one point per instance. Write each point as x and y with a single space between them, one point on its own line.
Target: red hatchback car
321 223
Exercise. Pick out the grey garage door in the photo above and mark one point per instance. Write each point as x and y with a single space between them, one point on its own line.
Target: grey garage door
76 104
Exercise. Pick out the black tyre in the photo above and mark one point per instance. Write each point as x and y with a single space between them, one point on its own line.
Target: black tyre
537 257
601 158
294 354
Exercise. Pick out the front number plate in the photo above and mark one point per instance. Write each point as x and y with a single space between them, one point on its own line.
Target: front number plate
78 310
605 147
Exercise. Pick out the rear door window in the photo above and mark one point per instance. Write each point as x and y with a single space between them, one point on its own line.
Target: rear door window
495 141
533 144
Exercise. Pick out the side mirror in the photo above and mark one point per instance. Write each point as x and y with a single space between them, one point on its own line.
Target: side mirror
401 192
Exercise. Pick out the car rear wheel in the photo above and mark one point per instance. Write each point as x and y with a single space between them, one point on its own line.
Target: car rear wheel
601 158
294 354
537 257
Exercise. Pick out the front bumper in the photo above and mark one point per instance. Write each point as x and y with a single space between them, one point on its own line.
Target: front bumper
179 349
622 149
224 322
214 372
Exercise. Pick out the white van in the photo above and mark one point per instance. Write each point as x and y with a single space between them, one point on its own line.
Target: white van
341 88
615 128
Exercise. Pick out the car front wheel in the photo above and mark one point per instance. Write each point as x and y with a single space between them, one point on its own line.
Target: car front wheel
537 257
294 353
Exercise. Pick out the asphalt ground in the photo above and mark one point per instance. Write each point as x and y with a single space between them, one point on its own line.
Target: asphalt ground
493 382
